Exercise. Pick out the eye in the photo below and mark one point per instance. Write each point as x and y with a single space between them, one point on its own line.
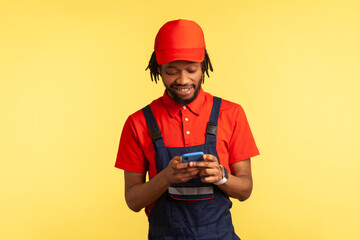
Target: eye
192 70
171 73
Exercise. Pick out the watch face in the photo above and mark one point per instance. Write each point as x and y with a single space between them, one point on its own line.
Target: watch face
226 174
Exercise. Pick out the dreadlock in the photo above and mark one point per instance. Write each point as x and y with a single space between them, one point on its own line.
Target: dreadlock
154 66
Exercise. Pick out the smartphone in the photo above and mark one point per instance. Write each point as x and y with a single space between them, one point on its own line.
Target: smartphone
194 156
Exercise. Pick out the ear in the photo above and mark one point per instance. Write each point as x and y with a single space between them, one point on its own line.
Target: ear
158 69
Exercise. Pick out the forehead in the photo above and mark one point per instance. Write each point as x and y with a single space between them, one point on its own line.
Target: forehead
180 64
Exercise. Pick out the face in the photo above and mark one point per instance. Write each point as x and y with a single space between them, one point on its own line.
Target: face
182 80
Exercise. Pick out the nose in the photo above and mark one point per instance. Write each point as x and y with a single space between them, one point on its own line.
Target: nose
183 78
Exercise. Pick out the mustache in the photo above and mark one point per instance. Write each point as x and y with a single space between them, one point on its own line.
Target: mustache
182 85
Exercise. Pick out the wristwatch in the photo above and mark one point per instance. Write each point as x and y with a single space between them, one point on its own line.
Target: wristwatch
225 176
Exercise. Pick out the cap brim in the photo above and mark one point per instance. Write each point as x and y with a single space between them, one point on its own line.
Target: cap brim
191 55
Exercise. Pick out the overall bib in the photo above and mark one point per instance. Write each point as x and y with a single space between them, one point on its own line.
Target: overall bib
190 210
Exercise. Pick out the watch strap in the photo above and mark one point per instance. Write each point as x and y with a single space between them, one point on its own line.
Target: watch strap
225 176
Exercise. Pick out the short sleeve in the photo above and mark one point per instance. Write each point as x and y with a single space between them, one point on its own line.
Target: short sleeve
242 144
130 156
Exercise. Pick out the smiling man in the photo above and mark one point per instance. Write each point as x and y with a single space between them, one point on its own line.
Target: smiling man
182 80
186 200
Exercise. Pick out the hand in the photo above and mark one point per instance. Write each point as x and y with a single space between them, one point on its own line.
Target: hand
210 170
177 171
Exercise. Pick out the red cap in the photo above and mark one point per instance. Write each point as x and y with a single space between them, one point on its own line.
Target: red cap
180 40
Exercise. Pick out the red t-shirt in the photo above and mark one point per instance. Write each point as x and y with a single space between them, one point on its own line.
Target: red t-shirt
183 126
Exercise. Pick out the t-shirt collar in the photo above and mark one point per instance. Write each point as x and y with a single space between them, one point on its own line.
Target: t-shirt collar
174 107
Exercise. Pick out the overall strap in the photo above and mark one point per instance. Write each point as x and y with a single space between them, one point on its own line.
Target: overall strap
211 128
154 128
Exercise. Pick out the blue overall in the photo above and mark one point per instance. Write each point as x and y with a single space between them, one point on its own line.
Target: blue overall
190 210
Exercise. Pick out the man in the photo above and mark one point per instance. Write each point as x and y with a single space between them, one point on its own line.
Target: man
186 200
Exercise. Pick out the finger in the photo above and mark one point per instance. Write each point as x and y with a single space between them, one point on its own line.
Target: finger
210 179
186 176
211 175
182 166
193 171
210 172
190 170
177 158
203 164
173 162
177 164
210 158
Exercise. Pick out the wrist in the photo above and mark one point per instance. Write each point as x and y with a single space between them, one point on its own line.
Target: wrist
225 176
167 177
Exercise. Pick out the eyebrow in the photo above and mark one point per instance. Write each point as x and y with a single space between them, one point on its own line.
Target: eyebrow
170 67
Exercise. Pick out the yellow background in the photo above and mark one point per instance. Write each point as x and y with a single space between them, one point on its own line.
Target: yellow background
72 71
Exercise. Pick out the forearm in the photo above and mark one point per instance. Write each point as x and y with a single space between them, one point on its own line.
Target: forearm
139 194
143 194
239 183
239 187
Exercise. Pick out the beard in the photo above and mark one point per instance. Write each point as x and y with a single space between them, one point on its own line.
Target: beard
177 98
